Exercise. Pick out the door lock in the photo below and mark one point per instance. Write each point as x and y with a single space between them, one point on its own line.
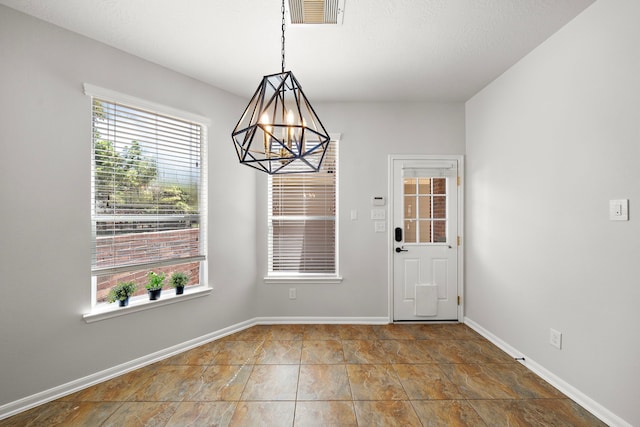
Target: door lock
398 250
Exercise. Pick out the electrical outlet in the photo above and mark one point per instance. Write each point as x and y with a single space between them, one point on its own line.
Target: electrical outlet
555 338
292 293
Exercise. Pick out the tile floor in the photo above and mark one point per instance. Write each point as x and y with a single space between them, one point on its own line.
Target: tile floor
324 375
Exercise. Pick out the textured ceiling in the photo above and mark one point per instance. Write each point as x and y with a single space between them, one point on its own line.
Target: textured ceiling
391 50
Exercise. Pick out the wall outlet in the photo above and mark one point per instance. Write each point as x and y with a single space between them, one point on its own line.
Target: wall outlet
292 293
555 338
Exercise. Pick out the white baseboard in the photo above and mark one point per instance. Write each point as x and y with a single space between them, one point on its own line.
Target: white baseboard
57 392
321 320
570 391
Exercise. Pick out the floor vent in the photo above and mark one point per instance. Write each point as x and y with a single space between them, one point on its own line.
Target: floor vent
316 11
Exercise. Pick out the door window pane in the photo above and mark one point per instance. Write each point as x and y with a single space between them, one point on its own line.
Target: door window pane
424 202
409 186
425 231
439 186
439 207
425 210
424 185
410 207
409 231
439 231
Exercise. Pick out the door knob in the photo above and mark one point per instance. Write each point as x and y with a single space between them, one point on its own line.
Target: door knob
398 250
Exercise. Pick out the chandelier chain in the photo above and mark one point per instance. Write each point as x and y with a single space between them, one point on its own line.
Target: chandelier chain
282 39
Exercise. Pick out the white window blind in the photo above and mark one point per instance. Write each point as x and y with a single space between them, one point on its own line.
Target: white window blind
146 189
302 220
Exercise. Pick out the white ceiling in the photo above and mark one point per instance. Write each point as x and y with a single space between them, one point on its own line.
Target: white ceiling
387 50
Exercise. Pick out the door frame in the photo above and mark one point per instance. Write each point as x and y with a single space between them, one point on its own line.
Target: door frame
460 225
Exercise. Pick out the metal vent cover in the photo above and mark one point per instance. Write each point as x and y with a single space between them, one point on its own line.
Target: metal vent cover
316 11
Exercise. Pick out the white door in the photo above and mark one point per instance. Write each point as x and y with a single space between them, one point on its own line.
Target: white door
425 239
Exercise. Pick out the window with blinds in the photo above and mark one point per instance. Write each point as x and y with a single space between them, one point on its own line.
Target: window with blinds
302 220
147 192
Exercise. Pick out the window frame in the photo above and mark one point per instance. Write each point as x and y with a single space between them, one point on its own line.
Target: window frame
103 310
310 278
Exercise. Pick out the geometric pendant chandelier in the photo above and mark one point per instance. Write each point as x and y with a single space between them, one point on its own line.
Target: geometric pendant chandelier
279 131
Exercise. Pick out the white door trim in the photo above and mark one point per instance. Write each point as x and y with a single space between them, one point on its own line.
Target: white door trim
460 251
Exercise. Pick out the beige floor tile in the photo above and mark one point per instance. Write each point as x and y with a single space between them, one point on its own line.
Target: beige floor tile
357 332
426 381
272 382
405 351
392 332
280 352
219 383
325 413
444 351
364 351
202 414
133 414
263 414
538 412
323 382
375 382
64 413
254 333
202 355
287 332
447 331
498 381
463 351
386 414
117 389
446 413
170 383
322 352
321 332
485 352
237 352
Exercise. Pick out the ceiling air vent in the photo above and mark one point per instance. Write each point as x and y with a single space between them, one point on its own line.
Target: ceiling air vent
316 11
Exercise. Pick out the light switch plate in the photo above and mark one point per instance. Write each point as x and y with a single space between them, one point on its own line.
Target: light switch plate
380 226
377 213
619 210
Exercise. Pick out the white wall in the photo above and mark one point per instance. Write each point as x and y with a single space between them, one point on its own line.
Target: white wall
44 210
549 143
370 132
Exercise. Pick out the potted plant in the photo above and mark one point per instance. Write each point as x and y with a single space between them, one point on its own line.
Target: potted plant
121 293
154 287
179 280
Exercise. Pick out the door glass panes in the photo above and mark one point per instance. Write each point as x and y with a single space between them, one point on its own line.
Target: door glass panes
425 210
424 185
410 231
424 203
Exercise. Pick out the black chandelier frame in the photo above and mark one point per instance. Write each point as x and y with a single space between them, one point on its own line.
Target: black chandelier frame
279 131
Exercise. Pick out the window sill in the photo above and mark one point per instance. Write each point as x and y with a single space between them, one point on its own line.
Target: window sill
141 303
303 279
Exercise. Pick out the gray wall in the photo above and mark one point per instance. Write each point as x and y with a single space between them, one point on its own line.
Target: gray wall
549 143
45 131
370 132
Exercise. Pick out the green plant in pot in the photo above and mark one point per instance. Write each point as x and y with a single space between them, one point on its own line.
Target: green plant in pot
154 287
121 293
179 280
